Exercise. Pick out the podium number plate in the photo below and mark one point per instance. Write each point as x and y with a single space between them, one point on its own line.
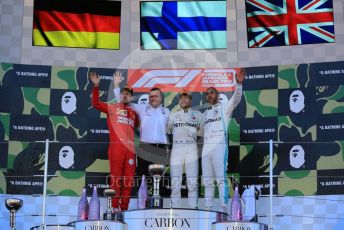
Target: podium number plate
239 226
99 225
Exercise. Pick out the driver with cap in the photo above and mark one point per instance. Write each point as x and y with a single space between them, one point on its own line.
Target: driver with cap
184 125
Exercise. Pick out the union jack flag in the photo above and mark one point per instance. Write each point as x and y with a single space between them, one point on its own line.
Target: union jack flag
289 22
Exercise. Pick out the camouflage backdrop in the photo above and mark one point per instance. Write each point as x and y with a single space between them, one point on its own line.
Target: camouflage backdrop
301 106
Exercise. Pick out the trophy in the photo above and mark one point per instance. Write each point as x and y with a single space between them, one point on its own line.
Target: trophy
13 205
109 193
156 171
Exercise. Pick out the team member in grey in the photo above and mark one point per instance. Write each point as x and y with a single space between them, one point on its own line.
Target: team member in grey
184 124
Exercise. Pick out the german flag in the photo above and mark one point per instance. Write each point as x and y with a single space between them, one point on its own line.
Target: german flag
77 23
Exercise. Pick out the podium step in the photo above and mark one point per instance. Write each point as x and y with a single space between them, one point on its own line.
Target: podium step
169 219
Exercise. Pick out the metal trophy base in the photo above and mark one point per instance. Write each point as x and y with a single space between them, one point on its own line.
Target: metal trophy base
114 217
53 227
155 202
101 224
169 219
239 225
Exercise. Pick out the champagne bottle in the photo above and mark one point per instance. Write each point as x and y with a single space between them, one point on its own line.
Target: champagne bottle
236 206
83 206
94 211
142 194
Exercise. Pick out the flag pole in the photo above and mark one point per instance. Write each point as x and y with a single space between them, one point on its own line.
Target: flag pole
271 181
45 181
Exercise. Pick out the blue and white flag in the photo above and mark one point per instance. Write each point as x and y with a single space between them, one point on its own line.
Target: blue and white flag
183 25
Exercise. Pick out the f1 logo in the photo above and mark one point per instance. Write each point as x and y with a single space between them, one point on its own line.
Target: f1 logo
180 78
172 80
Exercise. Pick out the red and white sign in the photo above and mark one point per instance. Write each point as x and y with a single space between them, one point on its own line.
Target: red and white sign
174 80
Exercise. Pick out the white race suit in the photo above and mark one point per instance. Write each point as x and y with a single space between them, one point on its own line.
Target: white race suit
184 125
215 123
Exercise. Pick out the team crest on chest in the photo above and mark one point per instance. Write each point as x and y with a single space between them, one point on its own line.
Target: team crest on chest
193 117
122 112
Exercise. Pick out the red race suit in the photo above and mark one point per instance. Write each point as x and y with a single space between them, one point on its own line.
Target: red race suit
121 120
